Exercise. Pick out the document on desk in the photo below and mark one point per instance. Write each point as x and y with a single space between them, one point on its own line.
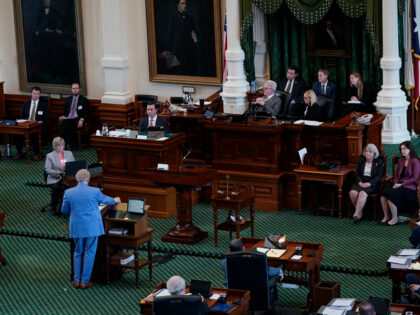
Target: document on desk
327 310
398 260
415 266
308 122
162 292
275 253
346 303
162 139
262 250
296 257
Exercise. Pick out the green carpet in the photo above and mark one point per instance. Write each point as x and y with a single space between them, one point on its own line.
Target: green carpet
36 280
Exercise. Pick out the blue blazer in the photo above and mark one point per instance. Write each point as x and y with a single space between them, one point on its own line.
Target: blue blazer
160 122
331 89
82 203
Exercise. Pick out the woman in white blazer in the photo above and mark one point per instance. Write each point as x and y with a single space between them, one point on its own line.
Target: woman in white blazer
54 167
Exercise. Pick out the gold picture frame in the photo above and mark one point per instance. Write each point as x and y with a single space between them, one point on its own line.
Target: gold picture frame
184 46
50 49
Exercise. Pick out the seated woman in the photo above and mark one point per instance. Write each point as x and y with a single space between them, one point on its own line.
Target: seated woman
311 110
54 167
403 194
369 172
364 92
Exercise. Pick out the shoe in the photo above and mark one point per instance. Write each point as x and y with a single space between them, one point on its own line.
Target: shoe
387 224
37 157
86 285
356 219
383 223
18 156
76 284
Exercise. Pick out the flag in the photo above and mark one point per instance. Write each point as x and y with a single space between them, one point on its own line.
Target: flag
225 69
408 57
415 48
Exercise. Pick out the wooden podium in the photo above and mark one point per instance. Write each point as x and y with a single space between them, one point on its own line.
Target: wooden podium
184 181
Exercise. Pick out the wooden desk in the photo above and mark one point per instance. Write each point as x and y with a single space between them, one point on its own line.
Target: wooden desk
184 180
305 271
25 130
96 180
2 259
235 203
337 177
397 276
231 295
127 165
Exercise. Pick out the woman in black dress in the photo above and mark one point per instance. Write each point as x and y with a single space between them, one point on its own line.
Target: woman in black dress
312 111
369 172
403 194
364 92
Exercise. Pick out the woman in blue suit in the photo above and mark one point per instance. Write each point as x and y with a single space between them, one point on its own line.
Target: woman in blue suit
82 202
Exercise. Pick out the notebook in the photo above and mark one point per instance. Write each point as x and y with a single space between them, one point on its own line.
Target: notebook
73 167
135 208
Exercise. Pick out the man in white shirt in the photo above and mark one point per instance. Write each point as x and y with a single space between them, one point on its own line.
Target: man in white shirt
153 120
34 110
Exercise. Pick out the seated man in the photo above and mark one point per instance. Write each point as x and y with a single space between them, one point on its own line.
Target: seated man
270 102
274 274
76 109
366 308
325 87
34 110
152 120
176 286
293 85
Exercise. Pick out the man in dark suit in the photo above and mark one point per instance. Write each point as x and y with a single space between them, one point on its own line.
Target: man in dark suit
325 87
34 110
153 120
293 85
76 110
270 102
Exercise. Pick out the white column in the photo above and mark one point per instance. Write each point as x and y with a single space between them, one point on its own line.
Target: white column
236 86
114 61
260 61
391 99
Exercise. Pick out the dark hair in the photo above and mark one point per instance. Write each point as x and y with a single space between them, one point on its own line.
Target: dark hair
76 83
409 146
154 104
292 67
235 245
36 88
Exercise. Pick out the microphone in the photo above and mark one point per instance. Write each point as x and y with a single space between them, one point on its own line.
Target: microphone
183 159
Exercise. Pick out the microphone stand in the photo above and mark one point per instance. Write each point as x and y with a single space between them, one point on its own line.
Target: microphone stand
183 159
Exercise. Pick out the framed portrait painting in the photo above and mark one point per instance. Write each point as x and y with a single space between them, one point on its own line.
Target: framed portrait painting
330 37
49 36
184 41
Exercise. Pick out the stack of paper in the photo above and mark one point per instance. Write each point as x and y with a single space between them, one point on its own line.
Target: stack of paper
118 231
342 303
415 266
125 261
327 310
399 262
411 253
275 253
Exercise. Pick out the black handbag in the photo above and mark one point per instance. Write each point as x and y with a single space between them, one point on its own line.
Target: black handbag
275 241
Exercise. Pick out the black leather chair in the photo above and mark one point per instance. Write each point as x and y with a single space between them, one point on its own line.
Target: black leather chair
140 103
178 305
248 271
285 103
325 104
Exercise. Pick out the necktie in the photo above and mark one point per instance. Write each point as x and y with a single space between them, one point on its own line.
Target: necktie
289 86
151 122
323 89
33 111
73 108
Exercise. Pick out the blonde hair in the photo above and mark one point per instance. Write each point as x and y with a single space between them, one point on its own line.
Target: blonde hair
57 141
359 85
312 95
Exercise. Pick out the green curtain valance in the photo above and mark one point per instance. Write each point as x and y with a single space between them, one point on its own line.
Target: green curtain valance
268 6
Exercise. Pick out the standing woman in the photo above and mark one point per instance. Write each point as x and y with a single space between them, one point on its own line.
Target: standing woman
54 167
403 194
369 172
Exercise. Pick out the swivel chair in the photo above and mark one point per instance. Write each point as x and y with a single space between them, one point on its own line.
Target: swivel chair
177 305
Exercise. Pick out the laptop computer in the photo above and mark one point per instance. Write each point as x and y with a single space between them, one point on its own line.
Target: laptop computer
201 287
73 167
135 208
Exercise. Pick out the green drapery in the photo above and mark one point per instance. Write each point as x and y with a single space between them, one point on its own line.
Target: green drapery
247 39
287 42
